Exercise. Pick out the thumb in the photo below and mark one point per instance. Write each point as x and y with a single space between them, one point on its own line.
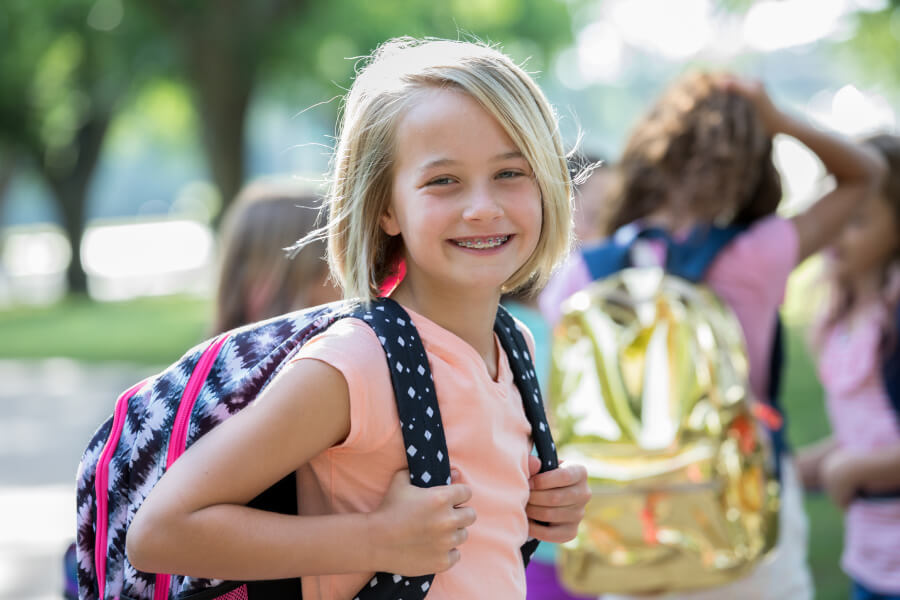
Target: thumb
534 465
400 478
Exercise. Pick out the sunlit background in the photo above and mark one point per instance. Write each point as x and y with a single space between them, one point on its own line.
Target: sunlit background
151 203
129 127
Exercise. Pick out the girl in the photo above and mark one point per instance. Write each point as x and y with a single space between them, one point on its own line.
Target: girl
449 159
856 334
257 280
703 156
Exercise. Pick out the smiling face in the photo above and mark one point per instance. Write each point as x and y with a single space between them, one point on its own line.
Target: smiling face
464 198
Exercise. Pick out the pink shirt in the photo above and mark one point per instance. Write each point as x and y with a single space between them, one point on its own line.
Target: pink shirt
862 419
488 439
750 275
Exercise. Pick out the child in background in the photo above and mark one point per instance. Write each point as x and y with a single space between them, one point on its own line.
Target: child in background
702 157
448 159
257 279
593 179
856 334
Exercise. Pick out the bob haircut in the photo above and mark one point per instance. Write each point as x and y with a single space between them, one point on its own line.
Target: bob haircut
361 256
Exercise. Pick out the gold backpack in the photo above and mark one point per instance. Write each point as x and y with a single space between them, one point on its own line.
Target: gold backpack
649 389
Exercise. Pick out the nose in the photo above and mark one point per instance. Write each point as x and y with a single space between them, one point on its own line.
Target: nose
481 205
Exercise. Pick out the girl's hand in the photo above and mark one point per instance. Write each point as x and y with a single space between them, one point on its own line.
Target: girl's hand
418 531
557 498
839 475
755 91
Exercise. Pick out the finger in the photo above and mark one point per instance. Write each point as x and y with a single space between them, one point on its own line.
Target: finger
459 537
563 476
555 515
573 495
401 477
464 517
457 493
534 465
556 534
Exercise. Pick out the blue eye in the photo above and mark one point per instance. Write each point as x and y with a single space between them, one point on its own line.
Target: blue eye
440 181
509 174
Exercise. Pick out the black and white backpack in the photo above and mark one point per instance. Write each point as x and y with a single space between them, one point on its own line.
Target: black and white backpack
157 419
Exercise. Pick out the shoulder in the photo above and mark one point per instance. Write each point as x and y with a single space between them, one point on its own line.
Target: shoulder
773 238
762 257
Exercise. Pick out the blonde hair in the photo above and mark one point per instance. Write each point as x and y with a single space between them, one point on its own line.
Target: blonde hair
257 279
361 256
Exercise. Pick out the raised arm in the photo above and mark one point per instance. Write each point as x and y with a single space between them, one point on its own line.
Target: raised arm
858 170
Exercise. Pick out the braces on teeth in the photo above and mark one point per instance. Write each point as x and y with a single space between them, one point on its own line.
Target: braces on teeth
485 243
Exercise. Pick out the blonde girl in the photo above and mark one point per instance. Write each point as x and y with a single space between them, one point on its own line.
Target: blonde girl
449 159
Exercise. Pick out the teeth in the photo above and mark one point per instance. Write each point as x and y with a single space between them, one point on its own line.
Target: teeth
480 244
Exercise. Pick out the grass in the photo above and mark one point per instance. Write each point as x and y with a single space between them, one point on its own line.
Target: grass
149 330
158 330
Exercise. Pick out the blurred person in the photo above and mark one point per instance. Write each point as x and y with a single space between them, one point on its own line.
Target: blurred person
591 186
257 279
856 343
702 158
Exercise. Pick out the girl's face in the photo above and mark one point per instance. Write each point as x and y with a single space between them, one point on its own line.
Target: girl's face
868 241
464 198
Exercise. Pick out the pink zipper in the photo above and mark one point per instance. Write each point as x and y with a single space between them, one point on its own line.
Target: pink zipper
101 484
178 438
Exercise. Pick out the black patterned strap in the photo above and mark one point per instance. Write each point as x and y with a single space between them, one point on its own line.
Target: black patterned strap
522 366
420 420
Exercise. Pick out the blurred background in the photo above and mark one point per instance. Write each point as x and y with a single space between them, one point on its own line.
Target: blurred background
126 129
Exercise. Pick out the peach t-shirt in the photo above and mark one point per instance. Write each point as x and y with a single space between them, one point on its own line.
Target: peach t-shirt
488 439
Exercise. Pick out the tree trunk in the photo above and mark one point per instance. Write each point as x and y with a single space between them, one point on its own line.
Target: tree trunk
222 94
70 186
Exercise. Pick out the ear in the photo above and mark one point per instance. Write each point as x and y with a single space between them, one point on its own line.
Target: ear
389 223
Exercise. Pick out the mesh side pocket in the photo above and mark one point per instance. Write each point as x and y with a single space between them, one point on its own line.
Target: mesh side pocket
239 593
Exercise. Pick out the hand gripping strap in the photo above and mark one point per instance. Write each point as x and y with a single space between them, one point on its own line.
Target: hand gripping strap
522 367
420 418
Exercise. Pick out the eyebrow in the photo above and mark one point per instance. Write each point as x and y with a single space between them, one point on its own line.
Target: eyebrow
442 162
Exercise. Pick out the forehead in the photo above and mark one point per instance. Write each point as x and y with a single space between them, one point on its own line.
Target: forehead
448 124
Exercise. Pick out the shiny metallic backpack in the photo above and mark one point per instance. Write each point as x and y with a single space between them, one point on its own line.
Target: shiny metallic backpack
649 389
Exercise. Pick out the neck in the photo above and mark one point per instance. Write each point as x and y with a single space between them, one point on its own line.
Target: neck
469 315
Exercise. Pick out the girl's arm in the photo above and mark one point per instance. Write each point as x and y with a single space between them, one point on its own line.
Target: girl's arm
194 521
858 170
846 473
879 471
809 462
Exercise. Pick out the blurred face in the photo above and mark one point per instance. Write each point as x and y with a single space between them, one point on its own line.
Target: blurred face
589 201
464 198
868 242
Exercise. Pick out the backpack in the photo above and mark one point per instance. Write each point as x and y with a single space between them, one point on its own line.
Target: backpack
649 389
157 419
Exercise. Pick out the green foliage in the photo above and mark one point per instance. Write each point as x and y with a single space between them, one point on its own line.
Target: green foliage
874 49
323 46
